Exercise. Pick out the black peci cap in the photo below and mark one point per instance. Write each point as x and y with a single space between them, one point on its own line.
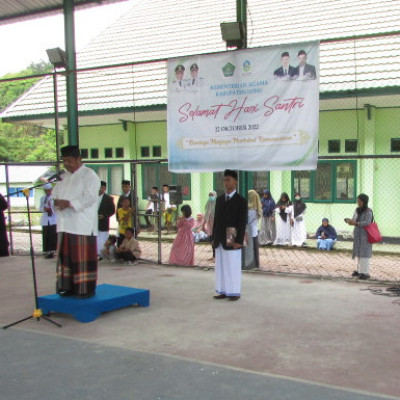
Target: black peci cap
232 173
70 151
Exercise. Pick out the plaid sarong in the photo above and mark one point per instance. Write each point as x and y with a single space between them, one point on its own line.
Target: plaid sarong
77 264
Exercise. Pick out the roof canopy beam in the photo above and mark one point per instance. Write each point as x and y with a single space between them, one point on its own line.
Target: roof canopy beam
72 97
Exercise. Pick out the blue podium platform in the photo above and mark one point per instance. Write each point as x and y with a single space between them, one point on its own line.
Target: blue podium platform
107 298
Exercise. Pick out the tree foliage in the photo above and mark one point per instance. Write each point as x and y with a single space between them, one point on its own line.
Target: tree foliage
11 90
23 143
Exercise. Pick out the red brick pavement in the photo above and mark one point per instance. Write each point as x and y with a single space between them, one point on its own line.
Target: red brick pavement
333 264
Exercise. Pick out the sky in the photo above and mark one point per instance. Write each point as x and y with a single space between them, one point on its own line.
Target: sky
24 42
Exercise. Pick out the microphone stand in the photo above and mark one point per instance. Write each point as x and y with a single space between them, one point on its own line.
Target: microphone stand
37 312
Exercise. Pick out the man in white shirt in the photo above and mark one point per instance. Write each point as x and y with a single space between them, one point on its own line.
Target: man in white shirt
169 208
76 201
165 197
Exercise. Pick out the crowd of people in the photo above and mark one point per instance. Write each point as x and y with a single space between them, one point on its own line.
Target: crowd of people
279 223
271 223
123 246
283 222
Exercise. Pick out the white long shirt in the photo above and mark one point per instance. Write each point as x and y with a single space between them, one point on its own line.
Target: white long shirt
81 189
47 201
166 200
252 221
167 204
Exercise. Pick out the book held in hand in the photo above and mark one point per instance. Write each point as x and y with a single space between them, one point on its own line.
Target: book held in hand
231 234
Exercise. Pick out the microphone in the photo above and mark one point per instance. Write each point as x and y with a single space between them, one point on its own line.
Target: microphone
56 177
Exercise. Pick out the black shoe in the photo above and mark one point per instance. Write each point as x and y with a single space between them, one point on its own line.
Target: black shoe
355 273
220 297
99 258
234 298
364 277
48 256
65 293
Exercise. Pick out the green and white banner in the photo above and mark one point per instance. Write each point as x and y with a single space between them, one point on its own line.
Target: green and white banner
251 110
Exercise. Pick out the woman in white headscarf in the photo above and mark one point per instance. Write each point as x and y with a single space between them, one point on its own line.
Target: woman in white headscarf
283 228
299 231
250 253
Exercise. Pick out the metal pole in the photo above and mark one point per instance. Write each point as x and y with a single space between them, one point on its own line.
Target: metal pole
241 16
9 211
56 119
39 314
134 200
159 260
31 253
71 84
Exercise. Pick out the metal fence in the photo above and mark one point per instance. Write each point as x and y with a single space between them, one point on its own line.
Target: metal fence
156 244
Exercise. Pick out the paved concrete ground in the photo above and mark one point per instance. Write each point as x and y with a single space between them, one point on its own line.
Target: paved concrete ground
38 367
286 338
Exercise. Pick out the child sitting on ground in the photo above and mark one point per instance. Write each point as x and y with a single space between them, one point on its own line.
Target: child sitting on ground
108 251
326 236
198 232
129 251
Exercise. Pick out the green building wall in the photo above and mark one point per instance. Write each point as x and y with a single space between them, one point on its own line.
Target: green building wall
387 172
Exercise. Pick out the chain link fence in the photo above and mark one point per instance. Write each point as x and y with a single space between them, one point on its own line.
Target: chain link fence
193 189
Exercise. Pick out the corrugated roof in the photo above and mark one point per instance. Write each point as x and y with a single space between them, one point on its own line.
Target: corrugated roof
280 21
13 10
166 28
